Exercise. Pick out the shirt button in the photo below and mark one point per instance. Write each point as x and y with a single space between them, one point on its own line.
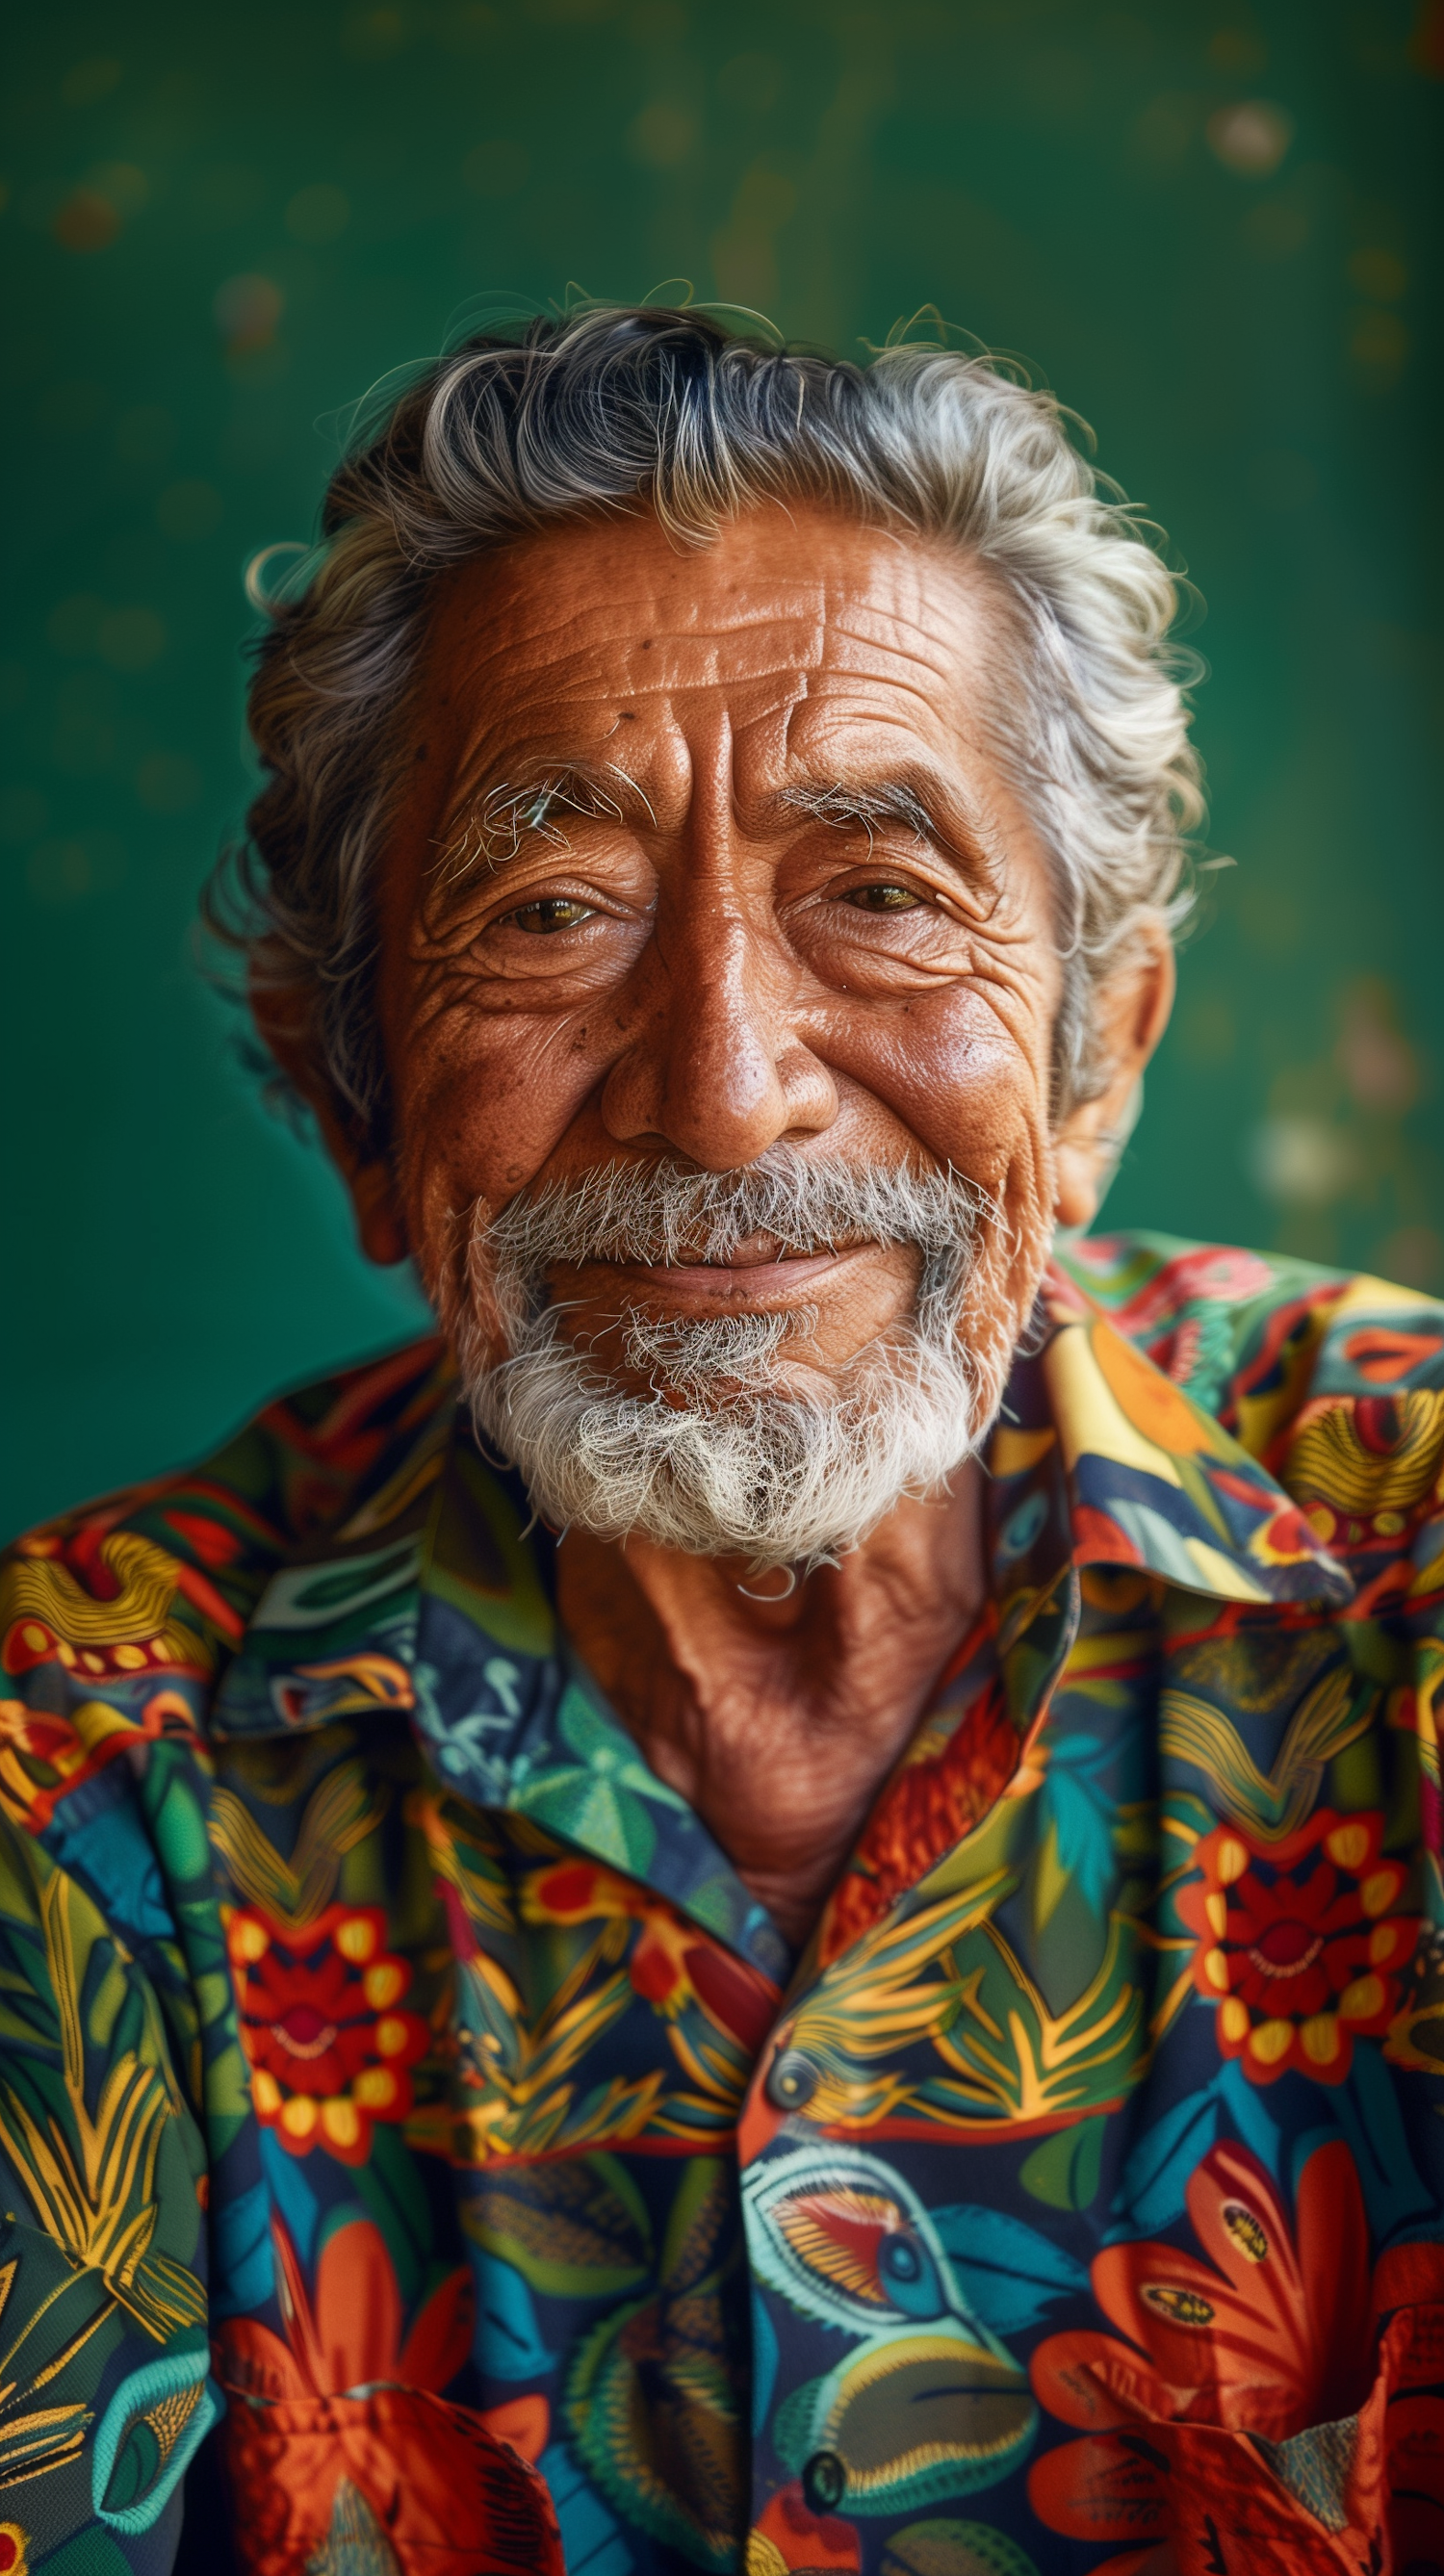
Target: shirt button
824 2482
792 2080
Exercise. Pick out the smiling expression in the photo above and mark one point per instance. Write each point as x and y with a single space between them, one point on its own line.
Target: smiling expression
704 851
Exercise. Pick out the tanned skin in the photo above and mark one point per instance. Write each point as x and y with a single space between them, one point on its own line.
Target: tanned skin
704 972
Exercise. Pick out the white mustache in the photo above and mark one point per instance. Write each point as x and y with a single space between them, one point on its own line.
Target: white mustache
663 1213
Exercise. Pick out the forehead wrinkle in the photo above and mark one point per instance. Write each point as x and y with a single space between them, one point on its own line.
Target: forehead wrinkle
696 656
842 701
809 617
549 648
546 712
906 650
919 659
896 648
540 705
892 651
839 631
544 587
660 753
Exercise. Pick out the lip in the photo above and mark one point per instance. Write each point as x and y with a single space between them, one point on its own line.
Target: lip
756 1286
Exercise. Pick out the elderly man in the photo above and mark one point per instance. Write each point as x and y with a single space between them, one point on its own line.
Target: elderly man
779 1902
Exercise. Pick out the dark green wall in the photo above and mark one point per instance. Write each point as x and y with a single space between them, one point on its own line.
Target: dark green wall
1211 227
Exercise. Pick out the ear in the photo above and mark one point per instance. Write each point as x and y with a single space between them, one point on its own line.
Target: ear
282 1013
1133 1011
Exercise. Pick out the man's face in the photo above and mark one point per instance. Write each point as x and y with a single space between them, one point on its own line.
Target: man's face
706 853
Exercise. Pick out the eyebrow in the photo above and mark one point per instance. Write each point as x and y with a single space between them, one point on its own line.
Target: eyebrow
503 816
893 800
507 814
914 797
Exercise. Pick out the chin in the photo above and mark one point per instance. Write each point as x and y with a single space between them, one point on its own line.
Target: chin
723 1449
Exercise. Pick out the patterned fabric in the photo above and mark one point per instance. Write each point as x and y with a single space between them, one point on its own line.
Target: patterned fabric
395 2074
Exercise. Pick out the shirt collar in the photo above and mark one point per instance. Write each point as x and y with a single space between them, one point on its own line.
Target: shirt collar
1098 1459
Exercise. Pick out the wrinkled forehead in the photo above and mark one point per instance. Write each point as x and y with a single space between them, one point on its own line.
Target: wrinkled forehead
790 627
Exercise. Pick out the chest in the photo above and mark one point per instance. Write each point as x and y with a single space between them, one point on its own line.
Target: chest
543 2119
729 2247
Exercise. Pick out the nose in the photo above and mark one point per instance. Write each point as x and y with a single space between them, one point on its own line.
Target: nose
716 1072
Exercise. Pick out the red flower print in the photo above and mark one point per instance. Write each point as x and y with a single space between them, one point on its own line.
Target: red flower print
791 2537
352 2397
1265 2337
321 2022
523 2423
350 2335
1299 1946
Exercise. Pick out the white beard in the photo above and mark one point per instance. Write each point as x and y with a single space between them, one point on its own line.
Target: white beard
767 1456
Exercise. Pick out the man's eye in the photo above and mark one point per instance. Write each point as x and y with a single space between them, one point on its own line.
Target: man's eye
553 912
882 898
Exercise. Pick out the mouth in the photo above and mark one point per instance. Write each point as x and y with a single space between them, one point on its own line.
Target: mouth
760 1278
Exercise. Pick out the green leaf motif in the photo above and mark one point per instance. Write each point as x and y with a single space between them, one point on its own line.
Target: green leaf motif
90 2174
601 1815
105 2005
698 2216
178 1824
651 2407
602 1800
573 2231
1064 2171
946 2548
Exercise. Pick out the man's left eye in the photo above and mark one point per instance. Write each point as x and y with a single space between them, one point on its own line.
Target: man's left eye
553 912
882 898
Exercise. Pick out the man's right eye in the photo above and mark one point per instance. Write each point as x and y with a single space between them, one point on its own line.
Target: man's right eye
553 912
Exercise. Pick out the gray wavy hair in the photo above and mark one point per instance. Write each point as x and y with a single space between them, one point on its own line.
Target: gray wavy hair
612 409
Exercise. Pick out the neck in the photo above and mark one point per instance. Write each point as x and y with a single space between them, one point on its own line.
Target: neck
779 1718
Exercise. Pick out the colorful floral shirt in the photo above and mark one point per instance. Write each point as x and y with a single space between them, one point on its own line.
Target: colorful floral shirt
398 2084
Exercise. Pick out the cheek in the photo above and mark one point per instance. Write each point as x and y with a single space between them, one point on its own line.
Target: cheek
970 1089
481 1105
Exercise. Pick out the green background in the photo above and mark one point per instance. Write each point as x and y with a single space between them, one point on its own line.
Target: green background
1212 227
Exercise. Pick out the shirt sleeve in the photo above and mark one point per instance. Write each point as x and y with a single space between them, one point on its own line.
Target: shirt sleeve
104 2357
